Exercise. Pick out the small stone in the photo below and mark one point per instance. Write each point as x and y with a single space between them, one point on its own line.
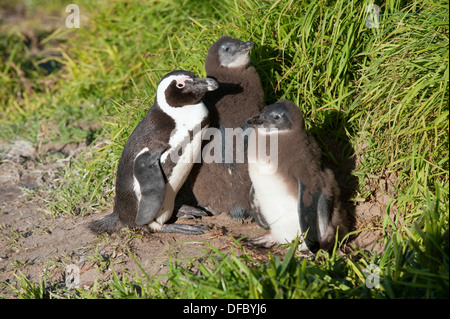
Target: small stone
20 149
9 174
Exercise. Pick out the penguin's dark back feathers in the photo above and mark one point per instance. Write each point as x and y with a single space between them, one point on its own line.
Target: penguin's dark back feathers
152 132
108 224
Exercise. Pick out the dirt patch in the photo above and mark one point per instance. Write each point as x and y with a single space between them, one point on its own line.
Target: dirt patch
37 243
369 215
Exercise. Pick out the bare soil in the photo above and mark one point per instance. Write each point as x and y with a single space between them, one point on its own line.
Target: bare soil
37 243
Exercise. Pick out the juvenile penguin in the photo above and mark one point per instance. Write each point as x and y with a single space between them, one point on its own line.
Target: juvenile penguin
222 185
159 155
297 196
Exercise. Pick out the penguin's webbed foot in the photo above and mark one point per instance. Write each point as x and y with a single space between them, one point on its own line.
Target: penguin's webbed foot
266 241
190 212
184 229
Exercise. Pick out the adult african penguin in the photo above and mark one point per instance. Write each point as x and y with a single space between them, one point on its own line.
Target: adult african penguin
159 155
297 196
222 186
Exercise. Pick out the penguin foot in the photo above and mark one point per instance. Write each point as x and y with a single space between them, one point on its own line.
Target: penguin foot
239 213
190 212
184 229
265 241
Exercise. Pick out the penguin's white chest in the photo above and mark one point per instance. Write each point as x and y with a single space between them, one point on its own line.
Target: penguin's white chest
185 145
279 208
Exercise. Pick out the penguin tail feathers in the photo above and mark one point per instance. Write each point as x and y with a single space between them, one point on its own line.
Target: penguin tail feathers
107 224
238 213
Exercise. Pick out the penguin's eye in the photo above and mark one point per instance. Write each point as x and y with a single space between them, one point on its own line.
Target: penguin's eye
277 116
180 85
227 49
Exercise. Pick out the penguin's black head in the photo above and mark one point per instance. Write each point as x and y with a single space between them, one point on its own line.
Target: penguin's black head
179 88
275 116
228 52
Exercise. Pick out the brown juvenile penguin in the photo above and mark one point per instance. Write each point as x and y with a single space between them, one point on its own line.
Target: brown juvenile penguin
222 185
159 155
292 195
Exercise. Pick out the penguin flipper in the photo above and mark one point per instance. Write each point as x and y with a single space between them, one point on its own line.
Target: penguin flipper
266 241
324 208
152 186
308 216
256 210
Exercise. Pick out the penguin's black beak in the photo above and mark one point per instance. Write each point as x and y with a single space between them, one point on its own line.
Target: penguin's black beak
201 85
246 46
256 120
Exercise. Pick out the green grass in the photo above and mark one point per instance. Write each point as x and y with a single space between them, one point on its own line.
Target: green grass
381 91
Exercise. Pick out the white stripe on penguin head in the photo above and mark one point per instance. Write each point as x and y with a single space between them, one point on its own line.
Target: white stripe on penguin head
187 118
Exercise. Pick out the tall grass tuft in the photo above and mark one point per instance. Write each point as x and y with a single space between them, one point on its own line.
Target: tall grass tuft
403 93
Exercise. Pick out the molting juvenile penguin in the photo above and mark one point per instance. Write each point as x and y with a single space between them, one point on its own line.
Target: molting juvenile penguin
297 196
223 185
159 155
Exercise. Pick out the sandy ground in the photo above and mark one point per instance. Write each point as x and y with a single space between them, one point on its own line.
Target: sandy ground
35 242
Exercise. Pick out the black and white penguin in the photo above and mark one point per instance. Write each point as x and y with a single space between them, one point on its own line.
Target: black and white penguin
292 195
222 186
159 155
